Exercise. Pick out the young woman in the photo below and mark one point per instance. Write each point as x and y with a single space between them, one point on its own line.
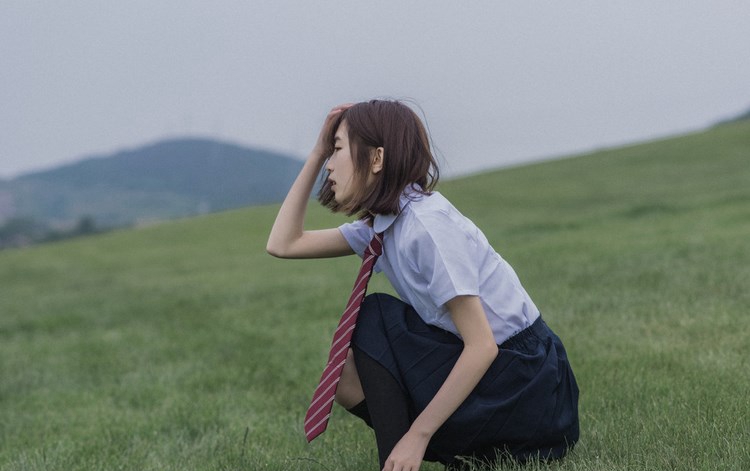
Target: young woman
463 364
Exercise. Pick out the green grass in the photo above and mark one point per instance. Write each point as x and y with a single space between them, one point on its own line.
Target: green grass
185 346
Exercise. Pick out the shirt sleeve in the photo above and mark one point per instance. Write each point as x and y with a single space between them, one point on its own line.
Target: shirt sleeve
358 234
443 255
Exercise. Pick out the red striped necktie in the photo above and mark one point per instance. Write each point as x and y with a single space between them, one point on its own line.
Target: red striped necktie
319 411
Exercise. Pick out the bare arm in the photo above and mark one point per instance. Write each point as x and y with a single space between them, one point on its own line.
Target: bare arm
288 238
478 354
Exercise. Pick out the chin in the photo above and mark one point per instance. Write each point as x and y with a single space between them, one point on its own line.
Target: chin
340 201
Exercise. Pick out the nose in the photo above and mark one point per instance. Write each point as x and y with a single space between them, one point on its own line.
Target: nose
329 164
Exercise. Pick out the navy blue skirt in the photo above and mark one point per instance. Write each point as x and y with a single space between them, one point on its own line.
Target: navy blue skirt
525 406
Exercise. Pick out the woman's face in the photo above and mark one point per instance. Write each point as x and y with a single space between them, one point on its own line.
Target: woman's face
341 166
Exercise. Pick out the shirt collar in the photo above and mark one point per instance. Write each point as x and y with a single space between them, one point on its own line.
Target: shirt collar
383 221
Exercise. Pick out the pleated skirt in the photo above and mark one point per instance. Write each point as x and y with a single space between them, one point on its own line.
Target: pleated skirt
525 406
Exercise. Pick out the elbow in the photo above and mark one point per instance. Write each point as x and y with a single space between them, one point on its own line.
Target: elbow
482 354
488 351
281 250
492 351
490 354
275 250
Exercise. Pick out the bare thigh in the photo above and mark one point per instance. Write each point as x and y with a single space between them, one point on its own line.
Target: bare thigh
349 391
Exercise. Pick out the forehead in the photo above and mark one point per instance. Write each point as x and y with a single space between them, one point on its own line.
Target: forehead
342 132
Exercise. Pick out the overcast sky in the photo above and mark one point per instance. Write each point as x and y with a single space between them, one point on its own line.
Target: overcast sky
500 82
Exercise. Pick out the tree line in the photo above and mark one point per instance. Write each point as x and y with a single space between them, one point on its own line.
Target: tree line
24 231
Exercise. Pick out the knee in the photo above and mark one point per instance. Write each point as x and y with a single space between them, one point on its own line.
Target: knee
377 306
370 303
382 302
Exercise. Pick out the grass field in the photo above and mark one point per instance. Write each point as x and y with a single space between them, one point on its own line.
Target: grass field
183 346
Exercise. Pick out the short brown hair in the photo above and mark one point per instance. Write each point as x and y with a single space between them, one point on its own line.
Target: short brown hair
407 158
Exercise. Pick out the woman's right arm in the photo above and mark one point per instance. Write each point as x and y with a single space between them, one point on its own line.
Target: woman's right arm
288 238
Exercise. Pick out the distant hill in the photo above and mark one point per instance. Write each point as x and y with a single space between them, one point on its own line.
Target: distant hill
167 179
741 117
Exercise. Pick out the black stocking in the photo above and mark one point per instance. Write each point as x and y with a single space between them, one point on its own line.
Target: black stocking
387 405
361 411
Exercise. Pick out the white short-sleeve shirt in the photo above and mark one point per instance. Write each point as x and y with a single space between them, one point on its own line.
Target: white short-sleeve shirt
432 253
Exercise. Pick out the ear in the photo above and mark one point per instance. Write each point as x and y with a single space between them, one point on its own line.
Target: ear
377 160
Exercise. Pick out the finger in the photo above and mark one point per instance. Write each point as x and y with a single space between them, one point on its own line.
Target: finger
340 108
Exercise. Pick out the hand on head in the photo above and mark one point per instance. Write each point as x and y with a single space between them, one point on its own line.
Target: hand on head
323 148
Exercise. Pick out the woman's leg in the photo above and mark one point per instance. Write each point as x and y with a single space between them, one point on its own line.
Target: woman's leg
360 410
349 390
386 403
